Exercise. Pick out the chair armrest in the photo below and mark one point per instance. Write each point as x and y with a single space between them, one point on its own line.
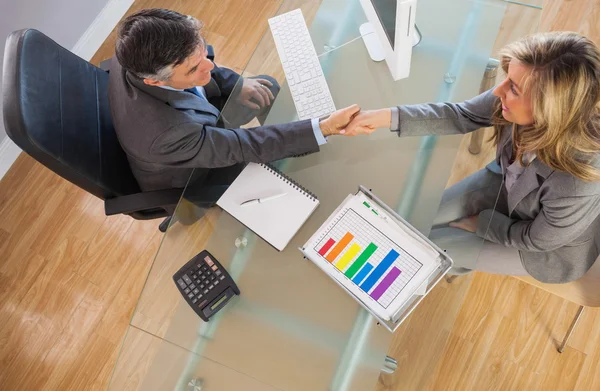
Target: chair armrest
105 65
142 201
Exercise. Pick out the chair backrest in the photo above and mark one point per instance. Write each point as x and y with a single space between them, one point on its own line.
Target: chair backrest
56 109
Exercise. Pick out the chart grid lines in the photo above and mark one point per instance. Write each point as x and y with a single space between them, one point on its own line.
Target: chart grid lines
351 231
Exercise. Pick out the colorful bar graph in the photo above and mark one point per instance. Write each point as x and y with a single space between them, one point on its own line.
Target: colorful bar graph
348 256
333 254
385 283
362 259
362 274
326 247
379 270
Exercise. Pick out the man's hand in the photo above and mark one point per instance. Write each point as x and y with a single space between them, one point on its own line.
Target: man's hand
467 224
337 121
366 122
257 89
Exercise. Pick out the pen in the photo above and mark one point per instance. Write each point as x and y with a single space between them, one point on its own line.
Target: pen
261 200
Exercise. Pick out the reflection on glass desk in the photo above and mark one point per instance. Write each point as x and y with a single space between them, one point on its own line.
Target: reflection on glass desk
292 328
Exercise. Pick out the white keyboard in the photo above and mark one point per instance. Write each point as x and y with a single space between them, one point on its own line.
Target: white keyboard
301 65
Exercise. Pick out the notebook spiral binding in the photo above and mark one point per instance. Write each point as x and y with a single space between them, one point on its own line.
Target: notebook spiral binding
289 180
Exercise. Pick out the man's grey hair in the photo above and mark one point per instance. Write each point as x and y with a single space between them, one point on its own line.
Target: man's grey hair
151 42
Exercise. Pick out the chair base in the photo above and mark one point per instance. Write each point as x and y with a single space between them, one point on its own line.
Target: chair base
165 224
571 328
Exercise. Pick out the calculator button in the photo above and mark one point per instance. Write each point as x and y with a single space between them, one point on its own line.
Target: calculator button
186 279
194 276
187 290
215 268
192 286
205 291
203 277
218 272
222 278
208 261
210 287
181 283
200 296
216 282
202 286
212 278
197 282
196 291
194 300
191 295
202 304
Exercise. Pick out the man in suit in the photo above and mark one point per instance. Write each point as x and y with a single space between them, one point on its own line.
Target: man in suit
167 101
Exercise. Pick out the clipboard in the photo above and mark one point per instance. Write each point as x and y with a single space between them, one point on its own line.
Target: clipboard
401 305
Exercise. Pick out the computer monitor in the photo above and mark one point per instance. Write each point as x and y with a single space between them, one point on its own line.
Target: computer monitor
391 33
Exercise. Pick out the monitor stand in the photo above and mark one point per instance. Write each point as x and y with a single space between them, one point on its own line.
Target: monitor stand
373 45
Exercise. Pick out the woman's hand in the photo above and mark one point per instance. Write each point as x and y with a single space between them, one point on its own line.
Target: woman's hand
467 224
366 122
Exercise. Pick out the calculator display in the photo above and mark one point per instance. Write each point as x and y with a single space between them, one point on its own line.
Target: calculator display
218 302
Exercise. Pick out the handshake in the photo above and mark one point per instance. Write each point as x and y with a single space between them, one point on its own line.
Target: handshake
351 121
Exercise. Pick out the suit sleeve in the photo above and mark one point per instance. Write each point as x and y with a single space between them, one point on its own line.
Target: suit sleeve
444 118
193 145
226 79
559 222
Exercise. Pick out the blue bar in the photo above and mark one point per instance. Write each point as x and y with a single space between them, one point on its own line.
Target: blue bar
362 273
379 270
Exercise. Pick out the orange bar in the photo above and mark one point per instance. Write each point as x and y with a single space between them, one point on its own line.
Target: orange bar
333 254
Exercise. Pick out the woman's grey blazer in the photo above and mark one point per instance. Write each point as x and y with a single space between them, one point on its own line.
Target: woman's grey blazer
551 217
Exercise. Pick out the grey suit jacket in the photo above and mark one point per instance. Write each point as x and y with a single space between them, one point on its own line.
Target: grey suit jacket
551 217
167 134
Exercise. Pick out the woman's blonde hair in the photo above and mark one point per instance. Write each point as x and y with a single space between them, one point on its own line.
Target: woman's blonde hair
564 86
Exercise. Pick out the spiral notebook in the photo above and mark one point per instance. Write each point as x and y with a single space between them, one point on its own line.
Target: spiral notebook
286 206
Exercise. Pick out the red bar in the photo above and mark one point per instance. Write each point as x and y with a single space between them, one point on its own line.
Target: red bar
326 247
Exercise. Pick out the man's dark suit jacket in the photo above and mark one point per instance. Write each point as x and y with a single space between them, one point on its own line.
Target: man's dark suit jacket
166 134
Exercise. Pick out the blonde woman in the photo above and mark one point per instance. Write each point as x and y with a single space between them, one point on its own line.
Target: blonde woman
546 174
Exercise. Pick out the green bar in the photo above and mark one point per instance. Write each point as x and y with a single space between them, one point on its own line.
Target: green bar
365 204
373 210
361 260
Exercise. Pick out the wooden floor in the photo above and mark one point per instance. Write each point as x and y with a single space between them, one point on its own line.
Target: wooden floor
70 277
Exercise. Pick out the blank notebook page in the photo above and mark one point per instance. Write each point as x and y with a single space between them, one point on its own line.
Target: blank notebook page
277 220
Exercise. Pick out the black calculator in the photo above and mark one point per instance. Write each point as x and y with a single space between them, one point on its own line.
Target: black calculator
205 285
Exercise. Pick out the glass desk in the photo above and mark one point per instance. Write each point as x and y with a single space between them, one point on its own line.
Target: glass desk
293 328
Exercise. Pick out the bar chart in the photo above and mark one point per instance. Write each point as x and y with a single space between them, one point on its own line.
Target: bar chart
367 257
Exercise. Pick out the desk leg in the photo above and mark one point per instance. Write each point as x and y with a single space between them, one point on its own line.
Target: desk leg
342 379
390 365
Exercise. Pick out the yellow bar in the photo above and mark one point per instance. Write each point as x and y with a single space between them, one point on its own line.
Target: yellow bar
348 256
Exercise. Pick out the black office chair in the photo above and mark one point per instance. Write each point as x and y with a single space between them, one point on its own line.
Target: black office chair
56 109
